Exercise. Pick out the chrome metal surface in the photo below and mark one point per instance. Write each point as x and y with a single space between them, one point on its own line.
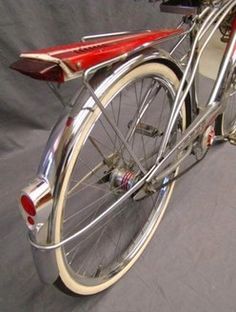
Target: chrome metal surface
62 139
178 103
144 105
94 222
180 98
180 158
114 127
146 102
180 41
123 179
88 73
164 173
40 194
214 107
45 263
55 165
137 51
225 73
192 132
114 34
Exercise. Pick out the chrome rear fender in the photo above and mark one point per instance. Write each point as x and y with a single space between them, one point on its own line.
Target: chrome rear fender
61 151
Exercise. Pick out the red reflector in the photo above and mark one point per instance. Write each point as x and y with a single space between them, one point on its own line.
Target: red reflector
37 69
28 205
30 220
69 121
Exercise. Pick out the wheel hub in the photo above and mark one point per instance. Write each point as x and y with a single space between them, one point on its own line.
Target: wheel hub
123 179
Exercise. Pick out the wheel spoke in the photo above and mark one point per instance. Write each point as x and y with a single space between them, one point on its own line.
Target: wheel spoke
87 176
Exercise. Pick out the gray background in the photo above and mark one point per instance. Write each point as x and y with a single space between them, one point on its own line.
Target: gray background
191 262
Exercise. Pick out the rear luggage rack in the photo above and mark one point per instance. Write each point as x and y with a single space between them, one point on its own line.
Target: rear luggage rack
66 62
184 7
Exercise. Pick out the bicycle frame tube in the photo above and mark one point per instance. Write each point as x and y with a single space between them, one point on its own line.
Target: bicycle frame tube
192 67
233 30
215 106
193 29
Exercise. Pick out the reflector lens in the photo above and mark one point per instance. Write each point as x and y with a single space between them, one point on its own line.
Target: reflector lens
37 69
28 205
69 121
30 220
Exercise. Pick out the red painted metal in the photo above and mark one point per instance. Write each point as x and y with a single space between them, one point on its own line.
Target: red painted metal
83 55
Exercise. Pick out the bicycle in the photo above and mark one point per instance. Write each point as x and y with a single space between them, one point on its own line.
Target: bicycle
111 162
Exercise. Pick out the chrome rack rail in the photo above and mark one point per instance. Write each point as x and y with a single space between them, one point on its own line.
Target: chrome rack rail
113 34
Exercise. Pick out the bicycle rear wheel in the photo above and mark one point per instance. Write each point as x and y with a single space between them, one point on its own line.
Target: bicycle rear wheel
103 171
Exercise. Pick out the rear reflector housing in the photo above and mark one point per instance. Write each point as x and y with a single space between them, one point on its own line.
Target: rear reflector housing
36 203
38 69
